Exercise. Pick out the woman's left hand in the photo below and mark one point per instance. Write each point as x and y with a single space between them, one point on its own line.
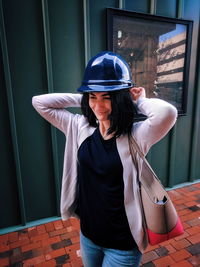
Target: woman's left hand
137 92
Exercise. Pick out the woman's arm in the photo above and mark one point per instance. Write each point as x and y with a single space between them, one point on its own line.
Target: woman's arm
161 116
52 108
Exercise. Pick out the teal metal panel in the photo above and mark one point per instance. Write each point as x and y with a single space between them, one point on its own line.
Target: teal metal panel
159 160
194 167
185 133
137 6
11 114
45 13
67 44
66 21
166 8
98 23
86 18
9 200
24 29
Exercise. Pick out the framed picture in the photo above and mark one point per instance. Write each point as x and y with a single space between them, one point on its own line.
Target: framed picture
157 50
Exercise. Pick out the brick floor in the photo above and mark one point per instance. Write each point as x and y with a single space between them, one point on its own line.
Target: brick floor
57 243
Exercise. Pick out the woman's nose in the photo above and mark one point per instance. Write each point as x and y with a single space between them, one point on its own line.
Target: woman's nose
99 104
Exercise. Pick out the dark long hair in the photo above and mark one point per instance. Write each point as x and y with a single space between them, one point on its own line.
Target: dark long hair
122 114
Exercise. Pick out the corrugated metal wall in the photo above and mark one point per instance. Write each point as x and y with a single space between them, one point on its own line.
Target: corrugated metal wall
44 48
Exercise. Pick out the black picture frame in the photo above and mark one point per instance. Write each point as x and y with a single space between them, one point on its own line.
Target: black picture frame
158 51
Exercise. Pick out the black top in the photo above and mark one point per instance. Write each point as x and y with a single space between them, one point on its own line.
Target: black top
101 199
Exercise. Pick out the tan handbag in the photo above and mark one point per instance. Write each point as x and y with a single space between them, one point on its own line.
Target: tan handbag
161 219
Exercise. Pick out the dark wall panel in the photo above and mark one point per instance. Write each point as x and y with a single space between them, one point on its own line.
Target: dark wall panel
67 44
9 202
185 132
166 8
25 40
98 23
137 6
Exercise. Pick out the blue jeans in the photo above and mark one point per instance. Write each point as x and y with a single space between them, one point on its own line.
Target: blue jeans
96 256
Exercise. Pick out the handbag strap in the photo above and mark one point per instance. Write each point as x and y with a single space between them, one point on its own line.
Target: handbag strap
133 143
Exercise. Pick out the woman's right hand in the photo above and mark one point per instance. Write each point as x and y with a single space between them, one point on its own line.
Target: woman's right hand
137 92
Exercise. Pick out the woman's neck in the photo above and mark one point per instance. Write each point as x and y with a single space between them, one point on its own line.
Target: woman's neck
103 128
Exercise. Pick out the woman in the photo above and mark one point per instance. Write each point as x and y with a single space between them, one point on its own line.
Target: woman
99 183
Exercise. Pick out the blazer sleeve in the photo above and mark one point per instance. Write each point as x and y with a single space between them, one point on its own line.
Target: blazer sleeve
161 117
52 107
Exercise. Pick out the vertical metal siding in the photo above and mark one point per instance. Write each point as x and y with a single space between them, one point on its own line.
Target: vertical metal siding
50 89
45 46
11 112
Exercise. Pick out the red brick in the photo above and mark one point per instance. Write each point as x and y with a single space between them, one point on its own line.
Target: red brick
149 256
4 247
50 241
71 228
75 239
194 222
174 195
19 243
167 242
194 238
150 248
13 237
185 225
180 207
23 236
195 260
183 212
55 253
4 262
183 263
39 237
4 239
179 201
180 244
32 232
58 232
71 248
49 227
31 246
193 230
75 222
190 204
170 249
46 249
51 263
69 235
58 225
164 262
184 235
67 223
77 263
188 217
41 229
180 255
68 265
33 261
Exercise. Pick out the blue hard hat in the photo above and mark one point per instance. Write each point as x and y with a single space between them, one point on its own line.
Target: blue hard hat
106 71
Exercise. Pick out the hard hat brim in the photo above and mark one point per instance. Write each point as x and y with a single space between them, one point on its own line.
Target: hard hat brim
102 88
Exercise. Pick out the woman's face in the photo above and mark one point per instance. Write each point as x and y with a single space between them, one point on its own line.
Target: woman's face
100 103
